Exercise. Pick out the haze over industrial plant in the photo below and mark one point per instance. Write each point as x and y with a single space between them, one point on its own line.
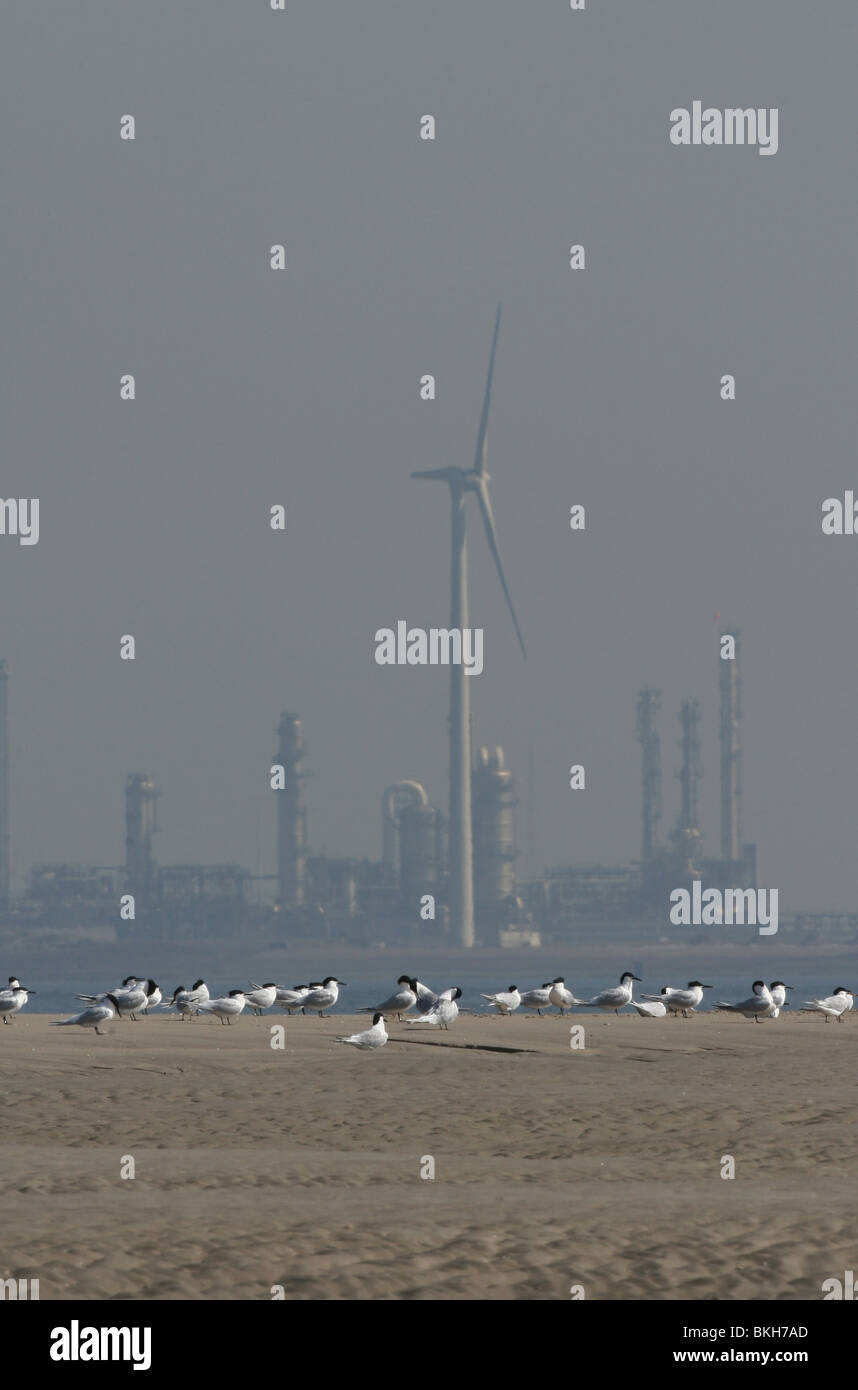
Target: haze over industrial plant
302 389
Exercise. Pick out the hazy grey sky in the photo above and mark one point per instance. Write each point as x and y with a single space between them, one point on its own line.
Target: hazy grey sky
256 387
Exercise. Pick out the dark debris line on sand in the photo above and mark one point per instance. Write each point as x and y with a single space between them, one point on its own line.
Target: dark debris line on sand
461 1047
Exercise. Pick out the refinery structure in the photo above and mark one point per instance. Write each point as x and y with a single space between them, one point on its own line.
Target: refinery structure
408 893
446 878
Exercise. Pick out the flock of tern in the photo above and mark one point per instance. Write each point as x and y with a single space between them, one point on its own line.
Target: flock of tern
423 1006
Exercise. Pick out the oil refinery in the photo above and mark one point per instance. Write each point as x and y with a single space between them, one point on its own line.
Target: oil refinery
405 895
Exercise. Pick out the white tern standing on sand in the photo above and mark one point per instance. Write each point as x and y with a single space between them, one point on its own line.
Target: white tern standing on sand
323 996
506 1002
537 999
679 1001
612 999
443 1012
757 1007
834 1006
399 1003
13 999
226 1008
777 989
261 997
91 1017
561 997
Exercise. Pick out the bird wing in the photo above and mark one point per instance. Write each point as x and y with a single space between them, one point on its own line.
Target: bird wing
617 995
681 997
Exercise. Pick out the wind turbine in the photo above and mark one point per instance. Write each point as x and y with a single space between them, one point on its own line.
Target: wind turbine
462 481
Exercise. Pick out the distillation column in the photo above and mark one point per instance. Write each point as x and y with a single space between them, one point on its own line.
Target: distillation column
5 853
729 680
291 813
687 836
649 704
141 796
494 825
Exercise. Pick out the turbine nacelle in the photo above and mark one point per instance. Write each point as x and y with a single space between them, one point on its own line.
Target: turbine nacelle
468 479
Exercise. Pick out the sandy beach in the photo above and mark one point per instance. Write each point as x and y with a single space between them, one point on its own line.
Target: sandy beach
554 1167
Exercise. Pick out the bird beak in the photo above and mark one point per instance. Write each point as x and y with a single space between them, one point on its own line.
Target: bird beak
707 986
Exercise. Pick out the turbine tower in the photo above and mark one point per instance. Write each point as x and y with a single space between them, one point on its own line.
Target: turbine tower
462 481
731 754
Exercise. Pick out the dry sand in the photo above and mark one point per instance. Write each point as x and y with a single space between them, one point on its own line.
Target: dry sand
554 1167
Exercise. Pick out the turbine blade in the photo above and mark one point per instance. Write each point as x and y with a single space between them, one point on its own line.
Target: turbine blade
480 457
443 473
482 491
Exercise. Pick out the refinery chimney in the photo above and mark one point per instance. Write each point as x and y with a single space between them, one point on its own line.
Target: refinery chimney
141 796
5 859
731 752
649 704
691 771
291 813
494 833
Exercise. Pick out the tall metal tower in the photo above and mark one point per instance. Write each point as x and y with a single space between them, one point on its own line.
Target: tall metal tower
730 684
692 768
291 813
5 855
649 704
495 841
141 799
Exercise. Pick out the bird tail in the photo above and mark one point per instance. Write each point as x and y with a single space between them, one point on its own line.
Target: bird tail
725 1008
